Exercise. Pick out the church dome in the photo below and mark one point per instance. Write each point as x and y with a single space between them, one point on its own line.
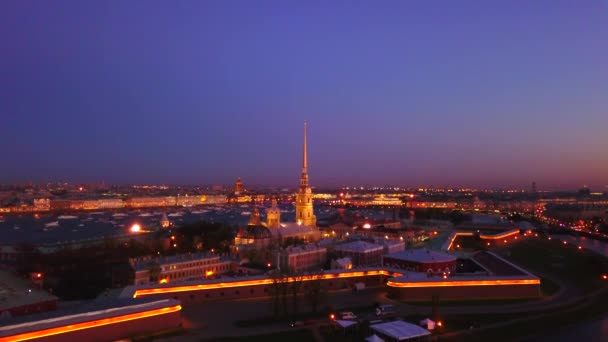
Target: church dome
254 232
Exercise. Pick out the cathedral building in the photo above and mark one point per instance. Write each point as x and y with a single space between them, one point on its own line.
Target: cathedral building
260 234
305 227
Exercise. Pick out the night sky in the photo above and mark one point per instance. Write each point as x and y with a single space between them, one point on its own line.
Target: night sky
458 93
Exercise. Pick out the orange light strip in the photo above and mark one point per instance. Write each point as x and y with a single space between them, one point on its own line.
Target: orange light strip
501 236
266 281
465 283
456 235
483 237
90 324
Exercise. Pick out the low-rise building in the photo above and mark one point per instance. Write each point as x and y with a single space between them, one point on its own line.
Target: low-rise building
421 260
391 246
178 268
342 264
362 253
20 297
302 258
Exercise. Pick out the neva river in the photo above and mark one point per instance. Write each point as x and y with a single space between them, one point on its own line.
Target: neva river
51 228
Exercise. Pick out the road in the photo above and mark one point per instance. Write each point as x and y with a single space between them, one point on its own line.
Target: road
216 319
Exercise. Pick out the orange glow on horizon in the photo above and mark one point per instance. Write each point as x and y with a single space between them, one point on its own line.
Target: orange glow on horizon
90 324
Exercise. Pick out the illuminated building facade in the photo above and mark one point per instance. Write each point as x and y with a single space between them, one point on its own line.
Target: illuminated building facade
302 258
149 202
238 187
164 221
42 204
178 268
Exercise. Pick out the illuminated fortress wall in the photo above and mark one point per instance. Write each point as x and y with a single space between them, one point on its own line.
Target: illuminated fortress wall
106 325
262 287
401 287
465 290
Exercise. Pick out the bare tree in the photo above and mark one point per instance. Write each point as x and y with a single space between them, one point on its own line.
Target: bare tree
296 285
275 293
315 291
154 270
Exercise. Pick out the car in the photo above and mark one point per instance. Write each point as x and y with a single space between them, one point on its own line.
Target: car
296 324
348 315
386 309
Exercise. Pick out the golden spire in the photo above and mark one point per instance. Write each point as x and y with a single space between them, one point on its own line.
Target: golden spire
304 161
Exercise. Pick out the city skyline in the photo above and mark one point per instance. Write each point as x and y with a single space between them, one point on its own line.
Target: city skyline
465 95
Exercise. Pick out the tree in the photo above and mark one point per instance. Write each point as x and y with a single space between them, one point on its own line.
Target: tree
154 270
435 309
275 293
284 288
315 292
296 285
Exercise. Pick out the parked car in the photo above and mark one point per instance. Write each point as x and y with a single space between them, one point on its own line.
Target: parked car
296 324
347 315
385 309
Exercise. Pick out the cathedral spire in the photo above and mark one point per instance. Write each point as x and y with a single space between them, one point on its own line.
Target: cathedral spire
304 157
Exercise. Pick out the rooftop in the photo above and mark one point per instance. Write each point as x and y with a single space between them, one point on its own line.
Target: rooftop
15 291
291 229
303 249
400 330
422 255
142 263
359 246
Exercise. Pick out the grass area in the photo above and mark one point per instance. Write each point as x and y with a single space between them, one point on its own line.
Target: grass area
301 335
534 325
470 243
158 335
548 286
581 268
473 302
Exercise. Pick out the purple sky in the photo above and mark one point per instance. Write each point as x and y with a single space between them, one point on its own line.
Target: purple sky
483 93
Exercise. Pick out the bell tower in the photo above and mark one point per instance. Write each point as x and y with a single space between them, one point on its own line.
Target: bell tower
273 215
